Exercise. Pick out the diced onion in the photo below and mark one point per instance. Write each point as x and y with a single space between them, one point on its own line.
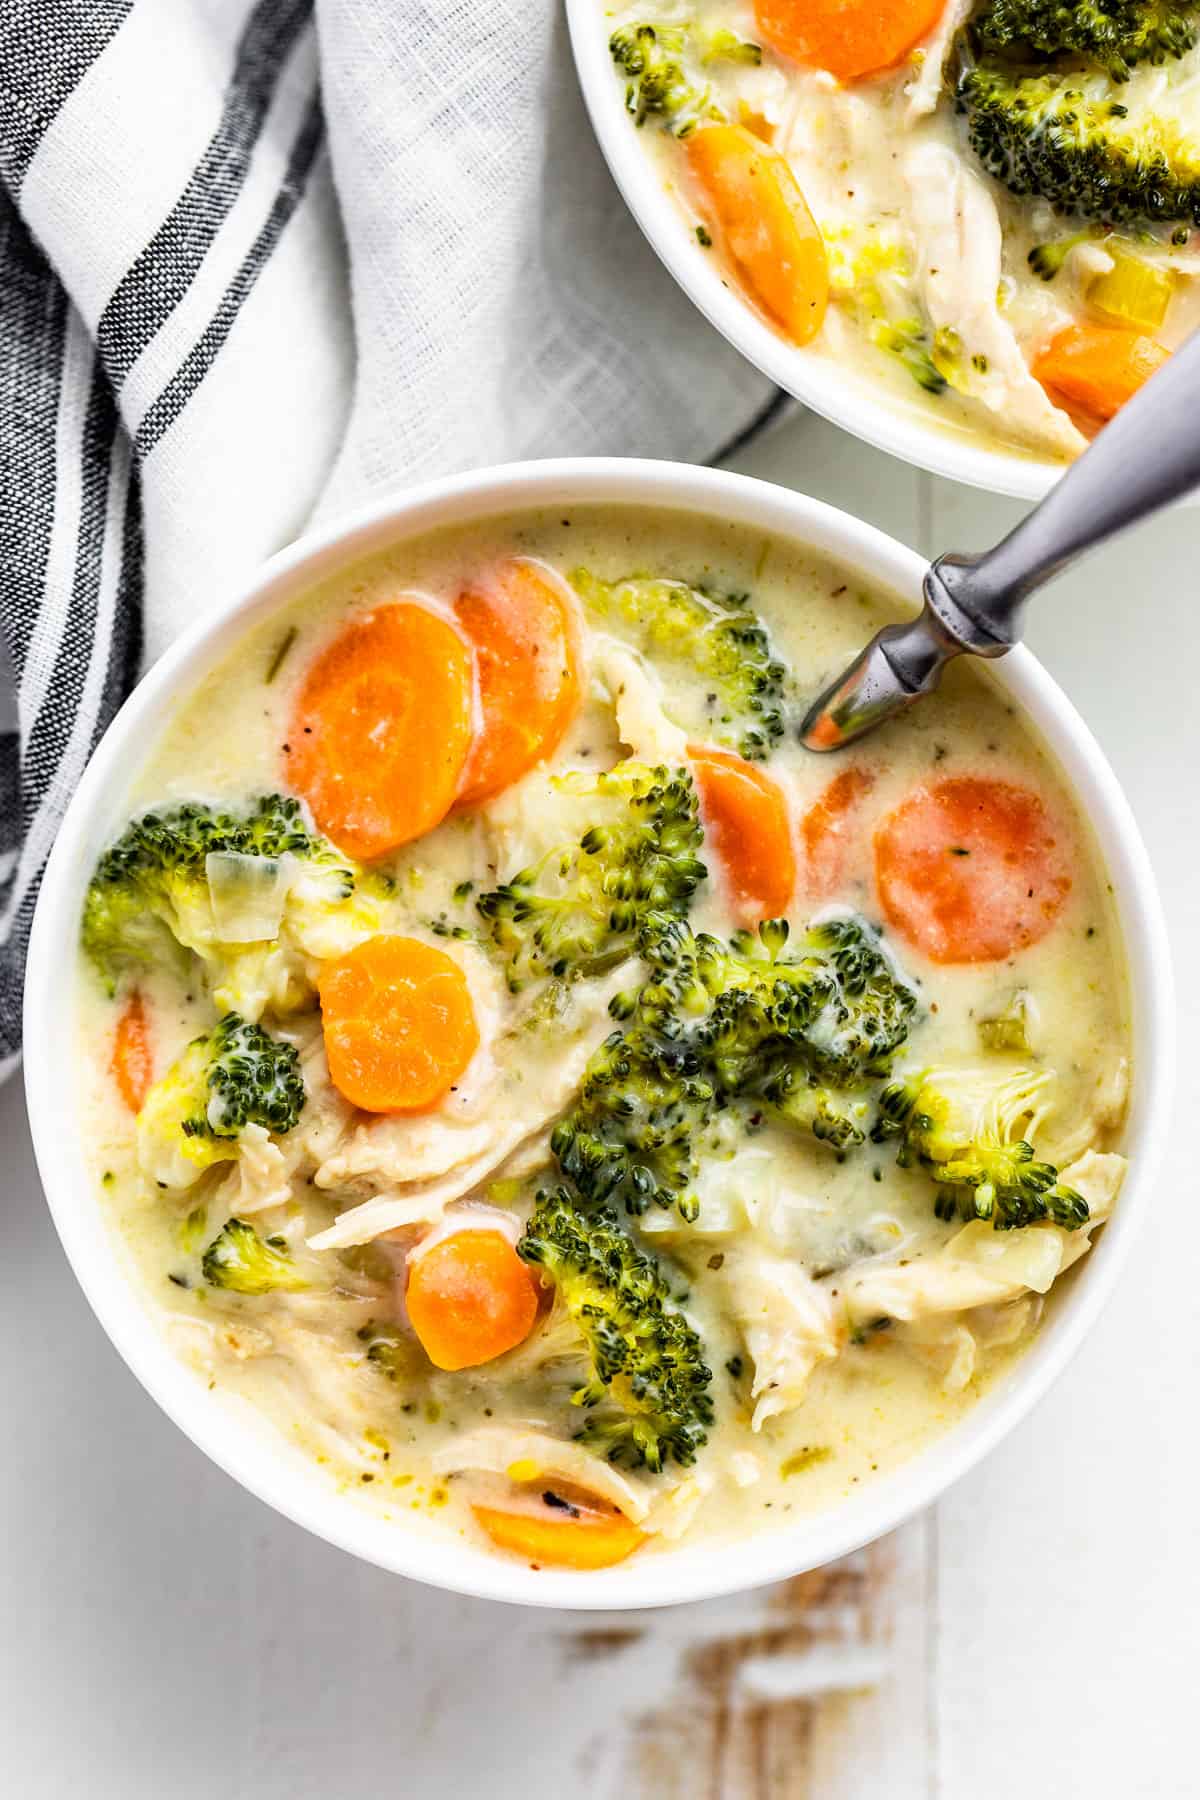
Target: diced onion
248 894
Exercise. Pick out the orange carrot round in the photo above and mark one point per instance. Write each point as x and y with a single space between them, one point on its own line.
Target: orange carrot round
521 625
850 38
381 728
132 1062
1097 368
399 1024
763 226
470 1298
746 817
971 870
572 1531
823 827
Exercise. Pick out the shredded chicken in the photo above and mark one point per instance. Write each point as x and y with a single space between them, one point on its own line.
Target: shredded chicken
983 1267
644 728
466 1218
673 1512
327 1117
391 1150
790 1324
958 265
952 1348
260 1178
1109 1098
201 1341
947 1346
422 1202
744 1468
527 1454
925 90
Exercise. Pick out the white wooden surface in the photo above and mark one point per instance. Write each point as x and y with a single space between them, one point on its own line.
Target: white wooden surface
161 1633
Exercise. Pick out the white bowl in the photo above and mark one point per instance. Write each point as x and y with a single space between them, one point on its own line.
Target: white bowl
835 390
242 1442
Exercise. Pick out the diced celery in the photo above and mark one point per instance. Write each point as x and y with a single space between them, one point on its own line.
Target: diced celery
1134 290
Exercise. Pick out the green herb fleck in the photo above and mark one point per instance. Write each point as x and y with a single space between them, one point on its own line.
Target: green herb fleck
804 1459
280 657
1008 1030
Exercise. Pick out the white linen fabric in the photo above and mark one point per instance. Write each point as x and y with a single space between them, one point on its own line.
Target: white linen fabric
260 255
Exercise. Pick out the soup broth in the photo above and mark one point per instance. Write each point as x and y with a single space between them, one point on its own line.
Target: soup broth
826 1181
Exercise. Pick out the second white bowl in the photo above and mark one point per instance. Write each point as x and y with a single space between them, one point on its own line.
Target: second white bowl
834 390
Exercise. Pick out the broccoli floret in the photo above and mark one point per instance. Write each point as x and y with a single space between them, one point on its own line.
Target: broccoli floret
1114 34
722 45
649 1382
395 1354
660 84
837 1119
741 686
911 343
1066 138
240 1260
249 894
834 1004
252 1079
721 1024
633 1135
579 909
1046 260
967 1128
234 1076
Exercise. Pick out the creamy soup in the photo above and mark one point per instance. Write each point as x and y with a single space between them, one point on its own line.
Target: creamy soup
569 1110
987 210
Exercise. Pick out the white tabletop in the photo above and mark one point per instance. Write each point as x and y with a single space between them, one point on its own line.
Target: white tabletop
163 1634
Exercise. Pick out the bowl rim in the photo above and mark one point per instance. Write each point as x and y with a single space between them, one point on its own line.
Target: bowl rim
234 1439
825 387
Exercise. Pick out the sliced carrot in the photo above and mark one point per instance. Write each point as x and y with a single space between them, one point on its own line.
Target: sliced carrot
823 827
470 1298
756 123
763 225
399 1024
382 727
521 624
850 38
132 1061
1097 368
746 816
971 870
571 1530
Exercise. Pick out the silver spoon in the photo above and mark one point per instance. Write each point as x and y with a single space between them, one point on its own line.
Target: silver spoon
1146 457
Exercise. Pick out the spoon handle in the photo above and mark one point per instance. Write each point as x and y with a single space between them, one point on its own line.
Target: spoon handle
1144 458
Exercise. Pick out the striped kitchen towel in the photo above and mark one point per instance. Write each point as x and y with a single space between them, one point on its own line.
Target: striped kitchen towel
257 255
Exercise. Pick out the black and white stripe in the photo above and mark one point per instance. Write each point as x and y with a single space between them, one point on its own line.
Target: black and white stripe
72 471
162 414
46 48
162 273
